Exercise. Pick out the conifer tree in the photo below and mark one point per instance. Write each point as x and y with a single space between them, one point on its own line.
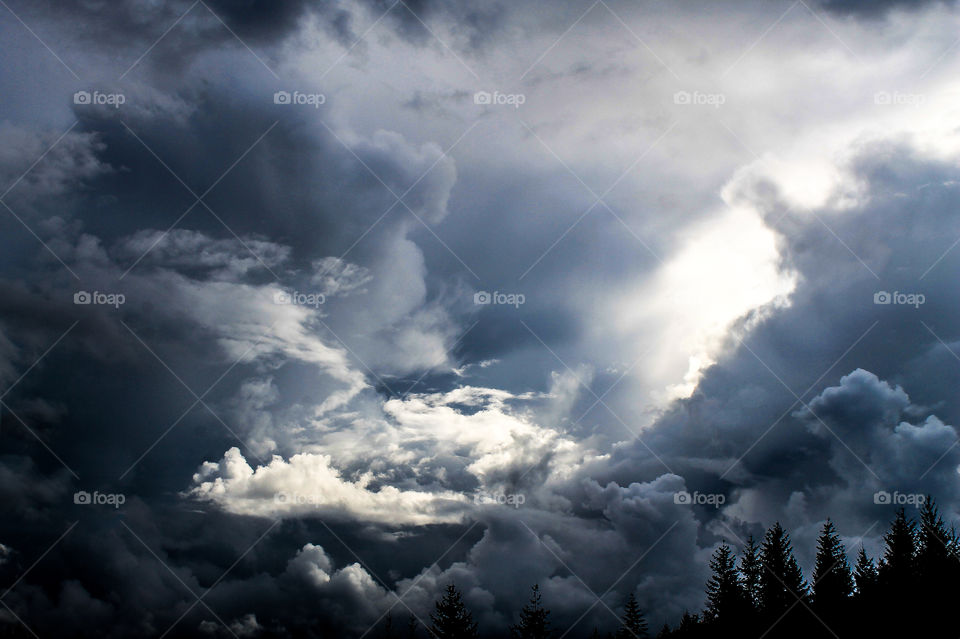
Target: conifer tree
534 622
726 600
781 582
751 568
865 575
633 624
451 619
689 626
935 553
897 569
937 568
832 581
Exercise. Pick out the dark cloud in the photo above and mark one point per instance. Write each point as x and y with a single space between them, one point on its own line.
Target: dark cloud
877 8
396 404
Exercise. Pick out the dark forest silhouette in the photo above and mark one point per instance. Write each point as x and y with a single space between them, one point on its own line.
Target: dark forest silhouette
763 593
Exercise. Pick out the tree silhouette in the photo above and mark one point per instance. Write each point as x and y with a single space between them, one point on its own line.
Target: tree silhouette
897 569
897 572
937 568
534 622
781 582
832 581
908 592
632 625
387 627
726 599
751 569
451 619
865 575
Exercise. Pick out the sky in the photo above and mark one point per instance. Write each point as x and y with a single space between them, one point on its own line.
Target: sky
309 309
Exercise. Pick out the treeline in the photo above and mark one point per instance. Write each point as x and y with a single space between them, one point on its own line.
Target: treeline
764 594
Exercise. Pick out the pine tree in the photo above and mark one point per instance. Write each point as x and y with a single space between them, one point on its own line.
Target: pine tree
937 568
689 626
897 570
934 546
726 600
412 627
751 568
865 575
781 582
534 622
451 619
833 583
633 625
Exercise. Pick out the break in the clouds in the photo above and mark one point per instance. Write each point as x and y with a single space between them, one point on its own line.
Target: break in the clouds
312 309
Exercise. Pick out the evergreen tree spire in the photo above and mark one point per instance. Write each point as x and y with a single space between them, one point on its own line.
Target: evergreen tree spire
633 625
897 569
781 582
751 568
833 583
534 622
725 595
451 619
865 574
